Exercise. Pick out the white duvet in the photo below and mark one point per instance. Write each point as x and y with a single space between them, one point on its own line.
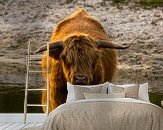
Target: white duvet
106 114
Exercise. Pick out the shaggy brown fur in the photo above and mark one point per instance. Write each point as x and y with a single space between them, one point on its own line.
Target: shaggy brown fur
79 55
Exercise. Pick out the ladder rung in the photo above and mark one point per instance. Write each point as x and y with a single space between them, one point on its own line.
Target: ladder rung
35 105
35 62
36 89
35 71
36 56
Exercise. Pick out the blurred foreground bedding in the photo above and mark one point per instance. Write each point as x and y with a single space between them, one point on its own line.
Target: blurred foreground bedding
104 114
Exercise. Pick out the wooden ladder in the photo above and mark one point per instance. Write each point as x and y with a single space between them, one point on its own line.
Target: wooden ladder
32 57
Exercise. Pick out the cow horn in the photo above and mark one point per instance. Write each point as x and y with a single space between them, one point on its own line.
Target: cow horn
107 44
52 46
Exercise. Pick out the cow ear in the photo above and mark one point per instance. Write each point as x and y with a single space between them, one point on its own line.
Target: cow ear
108 44
55 53
55 49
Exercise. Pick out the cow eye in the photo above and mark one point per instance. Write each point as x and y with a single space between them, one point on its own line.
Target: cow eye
93 65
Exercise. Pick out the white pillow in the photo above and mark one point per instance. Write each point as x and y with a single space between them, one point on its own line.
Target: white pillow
143 92
71 93
103 95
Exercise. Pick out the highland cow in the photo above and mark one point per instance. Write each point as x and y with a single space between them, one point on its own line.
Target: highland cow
81 52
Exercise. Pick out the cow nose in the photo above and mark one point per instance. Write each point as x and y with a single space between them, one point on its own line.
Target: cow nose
80 79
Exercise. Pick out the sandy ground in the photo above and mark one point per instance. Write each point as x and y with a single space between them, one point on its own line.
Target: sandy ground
23 20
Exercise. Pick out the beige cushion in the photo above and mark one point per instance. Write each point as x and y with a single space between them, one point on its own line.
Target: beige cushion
131 91
102 95
79 91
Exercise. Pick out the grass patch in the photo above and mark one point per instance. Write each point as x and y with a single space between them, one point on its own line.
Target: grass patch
156 98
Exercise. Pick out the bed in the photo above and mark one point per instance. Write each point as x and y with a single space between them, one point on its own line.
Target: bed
105 114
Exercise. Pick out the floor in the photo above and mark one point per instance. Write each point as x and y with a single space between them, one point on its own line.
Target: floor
17 126
15 121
